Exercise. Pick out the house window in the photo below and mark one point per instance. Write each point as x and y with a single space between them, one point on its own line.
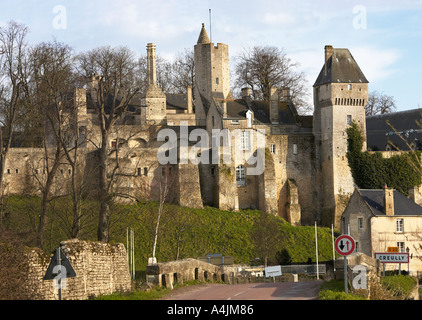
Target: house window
294 148
399 225
245 140
360 223
400 245
273 148
240 176
349 120
235 121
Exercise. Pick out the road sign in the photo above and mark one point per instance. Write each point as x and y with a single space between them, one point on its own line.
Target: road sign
390 257
59 259
393 249
273 271
345 245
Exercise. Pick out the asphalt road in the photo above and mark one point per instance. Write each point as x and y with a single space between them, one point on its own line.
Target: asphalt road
306 290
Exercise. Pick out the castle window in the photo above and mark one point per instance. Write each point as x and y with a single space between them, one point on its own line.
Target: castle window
17 170
349 86
399 225
240 176
8 171
245 140
295 148
360 223
213 171
349 120
139 171
273 148
217 81
145 171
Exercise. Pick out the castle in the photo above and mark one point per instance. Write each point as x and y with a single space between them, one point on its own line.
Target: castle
306 176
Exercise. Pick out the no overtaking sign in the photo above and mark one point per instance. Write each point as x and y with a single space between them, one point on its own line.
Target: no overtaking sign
344 245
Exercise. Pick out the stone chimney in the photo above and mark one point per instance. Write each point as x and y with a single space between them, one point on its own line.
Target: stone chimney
286 94
80 101
274 116
245 93
189 99
415 194
328 53
224 105
388 201
151 64
92 87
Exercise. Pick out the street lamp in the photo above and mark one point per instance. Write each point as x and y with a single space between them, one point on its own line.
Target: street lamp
408 263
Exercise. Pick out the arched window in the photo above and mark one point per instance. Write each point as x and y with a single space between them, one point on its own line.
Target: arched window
240 176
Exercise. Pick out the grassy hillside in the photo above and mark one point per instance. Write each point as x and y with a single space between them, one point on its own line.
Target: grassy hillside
183 232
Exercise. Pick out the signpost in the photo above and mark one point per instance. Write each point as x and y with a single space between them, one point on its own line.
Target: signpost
58 269
273 272
391 257
344 246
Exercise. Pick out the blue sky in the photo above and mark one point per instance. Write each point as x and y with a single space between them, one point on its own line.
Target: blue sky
385 37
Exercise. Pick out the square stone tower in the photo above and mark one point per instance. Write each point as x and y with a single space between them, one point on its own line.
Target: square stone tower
211 73
340 96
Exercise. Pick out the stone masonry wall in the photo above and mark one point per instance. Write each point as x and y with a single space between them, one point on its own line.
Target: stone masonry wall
100 268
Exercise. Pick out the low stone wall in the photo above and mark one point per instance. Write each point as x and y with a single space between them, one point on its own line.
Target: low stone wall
100 268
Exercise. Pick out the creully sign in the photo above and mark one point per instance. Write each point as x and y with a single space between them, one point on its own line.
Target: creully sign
390 257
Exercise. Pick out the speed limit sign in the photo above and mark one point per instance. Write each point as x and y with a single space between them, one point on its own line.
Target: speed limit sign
345 245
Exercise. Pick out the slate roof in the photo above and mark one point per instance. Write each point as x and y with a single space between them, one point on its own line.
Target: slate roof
176 101
379 133
341 68
403 206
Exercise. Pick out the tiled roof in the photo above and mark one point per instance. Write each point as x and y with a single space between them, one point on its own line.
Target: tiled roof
403 206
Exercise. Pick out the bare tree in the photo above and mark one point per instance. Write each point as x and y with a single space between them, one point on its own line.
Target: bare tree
14 71
265 235
261 68
49 95
165 182
115 87
379 103
183 71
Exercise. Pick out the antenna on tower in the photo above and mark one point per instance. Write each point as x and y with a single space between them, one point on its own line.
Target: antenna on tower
210 26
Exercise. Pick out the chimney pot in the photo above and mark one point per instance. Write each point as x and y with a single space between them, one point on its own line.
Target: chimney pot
388 201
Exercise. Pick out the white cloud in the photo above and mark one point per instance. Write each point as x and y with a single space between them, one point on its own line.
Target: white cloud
279 18
376 63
